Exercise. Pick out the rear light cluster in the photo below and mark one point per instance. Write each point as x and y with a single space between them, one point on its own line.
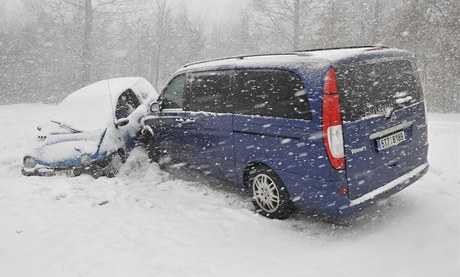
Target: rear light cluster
332 122
422 97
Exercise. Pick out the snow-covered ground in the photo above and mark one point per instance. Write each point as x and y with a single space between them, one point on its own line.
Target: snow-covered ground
146 222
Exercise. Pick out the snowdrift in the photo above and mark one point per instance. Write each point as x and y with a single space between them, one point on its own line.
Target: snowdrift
147 222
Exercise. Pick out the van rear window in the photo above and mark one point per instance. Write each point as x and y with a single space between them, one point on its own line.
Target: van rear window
370 89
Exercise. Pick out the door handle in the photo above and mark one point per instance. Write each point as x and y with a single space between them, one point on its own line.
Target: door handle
185 120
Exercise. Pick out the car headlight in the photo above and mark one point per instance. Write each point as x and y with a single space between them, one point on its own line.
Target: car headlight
85 160
29 162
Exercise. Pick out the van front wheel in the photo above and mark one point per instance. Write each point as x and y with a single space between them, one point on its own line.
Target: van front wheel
269 195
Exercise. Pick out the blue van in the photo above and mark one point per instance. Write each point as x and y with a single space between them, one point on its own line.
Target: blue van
330 131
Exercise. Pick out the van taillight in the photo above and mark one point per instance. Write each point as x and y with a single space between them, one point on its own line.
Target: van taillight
332 122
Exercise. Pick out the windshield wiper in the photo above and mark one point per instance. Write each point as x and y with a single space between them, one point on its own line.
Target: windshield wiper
65 126
389 112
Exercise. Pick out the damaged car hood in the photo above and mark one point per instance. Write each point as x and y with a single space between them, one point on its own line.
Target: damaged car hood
65 149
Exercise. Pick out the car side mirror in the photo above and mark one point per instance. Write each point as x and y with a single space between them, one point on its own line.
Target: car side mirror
155 107
122 122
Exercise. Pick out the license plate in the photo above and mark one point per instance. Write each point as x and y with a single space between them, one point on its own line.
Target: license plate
391 140
66 173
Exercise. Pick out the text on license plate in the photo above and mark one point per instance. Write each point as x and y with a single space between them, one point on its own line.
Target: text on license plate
391 140
65 173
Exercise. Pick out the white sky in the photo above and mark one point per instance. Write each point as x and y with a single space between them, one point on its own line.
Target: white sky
213 9
10 5
207 9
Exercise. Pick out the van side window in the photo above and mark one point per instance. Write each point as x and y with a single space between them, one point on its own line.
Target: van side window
211 92
274 93
173 95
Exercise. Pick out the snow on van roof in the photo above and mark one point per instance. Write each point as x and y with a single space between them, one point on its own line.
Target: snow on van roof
279 60
345 53
340 53
246 59
332 54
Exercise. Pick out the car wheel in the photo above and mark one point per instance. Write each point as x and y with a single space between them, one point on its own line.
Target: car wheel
115 161
152 149
269 195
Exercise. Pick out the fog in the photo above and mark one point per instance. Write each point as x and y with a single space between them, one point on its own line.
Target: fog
50 48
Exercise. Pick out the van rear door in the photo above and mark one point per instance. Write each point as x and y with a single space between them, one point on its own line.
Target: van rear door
384 128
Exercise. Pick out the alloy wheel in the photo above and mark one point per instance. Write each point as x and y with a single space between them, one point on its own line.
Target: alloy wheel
266 193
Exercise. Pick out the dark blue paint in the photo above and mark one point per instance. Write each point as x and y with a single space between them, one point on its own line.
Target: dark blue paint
224 145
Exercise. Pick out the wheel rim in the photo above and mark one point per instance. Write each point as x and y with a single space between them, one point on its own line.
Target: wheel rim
266 193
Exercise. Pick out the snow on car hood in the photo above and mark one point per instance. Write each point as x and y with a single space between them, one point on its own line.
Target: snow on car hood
63 149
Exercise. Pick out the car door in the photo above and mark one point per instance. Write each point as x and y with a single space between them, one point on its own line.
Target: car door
172 136
210 105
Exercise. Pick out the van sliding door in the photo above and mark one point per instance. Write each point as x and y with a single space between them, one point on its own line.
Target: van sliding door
210 121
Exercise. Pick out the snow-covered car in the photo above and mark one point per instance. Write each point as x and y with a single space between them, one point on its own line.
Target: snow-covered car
92 130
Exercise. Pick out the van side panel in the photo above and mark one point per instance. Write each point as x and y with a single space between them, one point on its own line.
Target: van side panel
210 136
285 145
275 122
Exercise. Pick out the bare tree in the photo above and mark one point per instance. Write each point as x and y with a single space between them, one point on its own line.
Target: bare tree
2 19
75 25
166 39
87 52
230 37
161 16
447 16
67 43
291 21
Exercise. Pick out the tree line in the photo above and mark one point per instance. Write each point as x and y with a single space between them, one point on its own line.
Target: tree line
58 46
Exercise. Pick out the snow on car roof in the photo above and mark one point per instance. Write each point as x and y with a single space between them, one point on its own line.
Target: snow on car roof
92 107
111 88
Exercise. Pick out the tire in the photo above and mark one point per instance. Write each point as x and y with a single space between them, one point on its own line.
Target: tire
114 162
152 149
269 195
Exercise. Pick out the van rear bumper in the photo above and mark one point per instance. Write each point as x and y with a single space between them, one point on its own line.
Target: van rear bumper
400 181
339 206
383 192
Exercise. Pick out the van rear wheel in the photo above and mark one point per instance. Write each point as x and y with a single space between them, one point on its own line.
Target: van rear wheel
269 195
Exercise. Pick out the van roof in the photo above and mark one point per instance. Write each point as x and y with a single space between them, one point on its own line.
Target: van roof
291 59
